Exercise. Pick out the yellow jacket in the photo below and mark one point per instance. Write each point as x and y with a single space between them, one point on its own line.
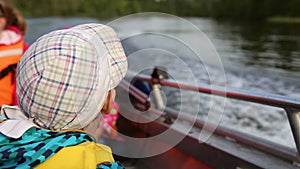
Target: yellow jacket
86 155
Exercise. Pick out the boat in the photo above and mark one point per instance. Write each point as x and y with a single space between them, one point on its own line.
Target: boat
155 135
142 124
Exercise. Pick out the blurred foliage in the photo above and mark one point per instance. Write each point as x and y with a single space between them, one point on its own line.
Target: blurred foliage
234 9
255 9
107 8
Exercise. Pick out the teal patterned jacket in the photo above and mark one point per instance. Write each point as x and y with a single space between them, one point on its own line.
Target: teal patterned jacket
37 145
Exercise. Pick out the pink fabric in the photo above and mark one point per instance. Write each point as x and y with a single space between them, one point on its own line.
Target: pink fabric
109 123
11 35
109 120
8 37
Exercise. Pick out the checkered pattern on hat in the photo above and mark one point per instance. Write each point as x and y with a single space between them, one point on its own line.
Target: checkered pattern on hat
64 77
111 41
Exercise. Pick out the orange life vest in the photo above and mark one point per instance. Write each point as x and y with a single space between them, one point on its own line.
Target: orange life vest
9 57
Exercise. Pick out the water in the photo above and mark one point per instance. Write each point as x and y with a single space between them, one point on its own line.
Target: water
261 57
40 26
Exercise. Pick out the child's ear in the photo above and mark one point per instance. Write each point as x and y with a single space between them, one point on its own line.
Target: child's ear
109 102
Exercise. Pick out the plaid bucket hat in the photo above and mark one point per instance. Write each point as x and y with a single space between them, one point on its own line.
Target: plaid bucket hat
64 77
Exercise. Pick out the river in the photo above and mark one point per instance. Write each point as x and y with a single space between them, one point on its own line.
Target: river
256 56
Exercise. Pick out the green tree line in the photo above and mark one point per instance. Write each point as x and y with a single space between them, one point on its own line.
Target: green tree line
255 9
234 9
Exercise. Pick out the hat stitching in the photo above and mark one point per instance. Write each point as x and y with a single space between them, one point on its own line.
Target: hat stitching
94 42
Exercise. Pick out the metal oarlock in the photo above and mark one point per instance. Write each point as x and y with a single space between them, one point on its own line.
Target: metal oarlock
157 75
159 101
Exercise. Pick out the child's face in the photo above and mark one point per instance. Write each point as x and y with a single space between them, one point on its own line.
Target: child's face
2 23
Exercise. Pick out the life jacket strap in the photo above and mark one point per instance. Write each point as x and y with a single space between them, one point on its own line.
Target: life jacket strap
10 68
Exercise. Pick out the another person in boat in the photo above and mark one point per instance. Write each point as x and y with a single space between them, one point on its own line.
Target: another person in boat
108 123
12 46
65 82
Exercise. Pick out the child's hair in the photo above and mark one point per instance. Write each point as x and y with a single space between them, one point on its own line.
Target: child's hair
12 15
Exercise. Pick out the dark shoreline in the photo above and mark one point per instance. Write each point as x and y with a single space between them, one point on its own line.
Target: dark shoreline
263 10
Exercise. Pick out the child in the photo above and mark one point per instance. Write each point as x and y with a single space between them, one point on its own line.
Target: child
12 46
65 82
